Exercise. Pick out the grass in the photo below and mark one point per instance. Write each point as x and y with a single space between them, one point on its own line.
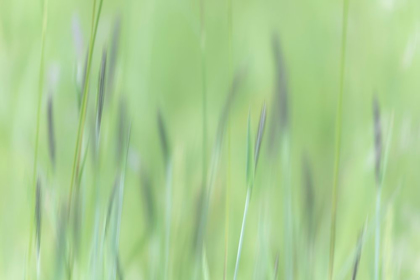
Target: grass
169 198
82 118
381 164
358 255
338 128
38 120
251 167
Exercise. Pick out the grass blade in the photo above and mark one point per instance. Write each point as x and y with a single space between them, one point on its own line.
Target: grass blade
260 133
249 180
38 118
168 210
250 174
358 254
338 140
82 118
38 217
206 193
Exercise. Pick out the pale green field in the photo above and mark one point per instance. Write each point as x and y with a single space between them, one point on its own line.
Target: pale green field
164 52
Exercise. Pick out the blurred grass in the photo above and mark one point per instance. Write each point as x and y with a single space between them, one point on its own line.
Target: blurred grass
160 66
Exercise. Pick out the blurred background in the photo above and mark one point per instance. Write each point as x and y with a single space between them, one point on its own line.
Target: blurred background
168 55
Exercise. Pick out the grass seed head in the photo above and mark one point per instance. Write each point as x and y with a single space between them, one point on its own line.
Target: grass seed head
358 255
147 193
101 94
308 190
51 135
114 53
260 133
281 91
378 137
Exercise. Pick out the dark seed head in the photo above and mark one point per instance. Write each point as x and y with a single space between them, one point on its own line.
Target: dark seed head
51 136
260 134
239 76
147 193
281 91
378 137
101 94
114 53
122 130
163 137
358 255
308 190
279 116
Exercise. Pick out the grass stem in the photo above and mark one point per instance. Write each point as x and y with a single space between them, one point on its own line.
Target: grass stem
241 237
82 117
38 117
338 127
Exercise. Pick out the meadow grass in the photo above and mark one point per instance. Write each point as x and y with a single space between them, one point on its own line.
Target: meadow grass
38 117
338 128
131 215
228 179
252 157
85 92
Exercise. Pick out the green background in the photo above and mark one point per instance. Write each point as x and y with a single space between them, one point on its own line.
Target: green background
160 66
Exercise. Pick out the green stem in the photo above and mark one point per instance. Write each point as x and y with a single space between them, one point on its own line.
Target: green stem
82 119
228 147
38 117
378 200
241 237
377 231
338 140
168 216
204 90
289 257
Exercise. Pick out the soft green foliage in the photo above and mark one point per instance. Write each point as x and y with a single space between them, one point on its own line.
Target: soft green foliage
111 206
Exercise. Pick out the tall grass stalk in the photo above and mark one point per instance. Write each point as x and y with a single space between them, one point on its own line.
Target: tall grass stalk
82 118
238 256
168 196
252 162
204 87
120 197
227 197
381 176
250 182
38 118
204 136
205 265
214 163
358 253
288 213
168 216
338 126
